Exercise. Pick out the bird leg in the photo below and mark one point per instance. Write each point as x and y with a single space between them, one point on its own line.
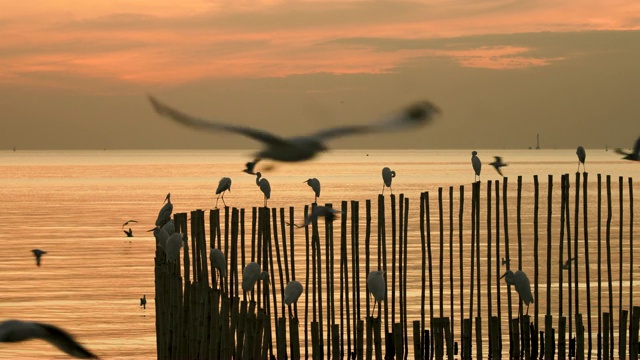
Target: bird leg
217 201
225 204
382 189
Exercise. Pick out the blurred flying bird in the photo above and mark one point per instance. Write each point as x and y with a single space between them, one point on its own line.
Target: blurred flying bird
38 254
497 164
165 213
328 213
223 186
377 287
634 154
17 331
301 148
387 176
477 165
582 155
265 187
292 292
315 185
522 284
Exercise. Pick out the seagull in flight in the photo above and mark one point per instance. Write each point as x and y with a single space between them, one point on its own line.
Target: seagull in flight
302 148
634 155
497 164
328 213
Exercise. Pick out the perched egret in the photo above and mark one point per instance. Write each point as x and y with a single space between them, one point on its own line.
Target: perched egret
265 187
223 186
303 148
387 176
292 292
633 155
522 284
161 237
219 262
143 301
377 286
169 227
315 185
17 331
497 164
477 165
165 213
38 254
319 211
250 274
172 249
582 155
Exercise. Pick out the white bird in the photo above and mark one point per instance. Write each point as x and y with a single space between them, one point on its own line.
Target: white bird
219 262
223 186
315 185
169 227
301 148
172 249
582 155
328 213
292 292
250 274
38 254
265 187
387 176
522 284
377 286
633 155
18 330
165 213
477 165
161 236
497 164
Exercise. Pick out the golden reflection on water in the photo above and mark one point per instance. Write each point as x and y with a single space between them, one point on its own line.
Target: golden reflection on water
72 205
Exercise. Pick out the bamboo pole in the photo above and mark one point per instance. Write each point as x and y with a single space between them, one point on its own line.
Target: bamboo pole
608 339
461 250
599 352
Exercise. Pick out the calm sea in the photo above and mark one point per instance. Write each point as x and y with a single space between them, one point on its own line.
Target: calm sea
72 204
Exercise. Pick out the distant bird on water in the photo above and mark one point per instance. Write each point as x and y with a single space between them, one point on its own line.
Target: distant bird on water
223 186
582 155
38 254
301 148
497 164
477 165
315 185
143 301
377 287
165 213
522 284
129 232
387 176
319 211
292 292
265 187
633 155
18 330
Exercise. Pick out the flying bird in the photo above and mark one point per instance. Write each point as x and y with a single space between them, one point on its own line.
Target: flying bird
223 186
387 176
265 187
165 213
377 286
582 155
477 165
143 301
328 213
302 148
38 254
497 164
633 155
127 223
292 292
315 185
522 284
18 330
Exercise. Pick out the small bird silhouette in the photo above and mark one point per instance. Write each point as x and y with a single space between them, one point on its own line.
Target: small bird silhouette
522 284
219 261
567 264
315 185
377 287
129 232
143 301
505 261
265 187
387 177
497 164
582 155
477 165
292 292
165 213
38 254
223 186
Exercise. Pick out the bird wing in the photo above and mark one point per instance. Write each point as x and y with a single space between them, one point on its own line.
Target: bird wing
198 123
636 148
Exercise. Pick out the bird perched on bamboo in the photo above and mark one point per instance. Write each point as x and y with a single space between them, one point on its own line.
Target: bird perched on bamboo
302 148
497 164
165 212
477 165
265 187
161 237
582 155
292 292
219 261
38 254
251 274
377 287
633 155
223 185
522 284
387 176
169 227
315 185
17 330
173 246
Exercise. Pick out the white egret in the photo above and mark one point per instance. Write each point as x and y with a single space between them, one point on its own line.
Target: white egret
582 155
328 213
522 284
161 237
265 187
292 292
633 155
172 249
219 262
387 176
497 164
169 227
477 165
18 330
303 148
315 185
223 186
165 213
377 286
38 254
143 301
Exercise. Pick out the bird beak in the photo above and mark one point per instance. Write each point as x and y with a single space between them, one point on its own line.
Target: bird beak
151 230
503 275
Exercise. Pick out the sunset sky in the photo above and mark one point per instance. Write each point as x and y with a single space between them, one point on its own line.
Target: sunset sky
76 75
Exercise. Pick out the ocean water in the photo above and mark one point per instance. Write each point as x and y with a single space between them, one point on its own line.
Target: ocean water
72 204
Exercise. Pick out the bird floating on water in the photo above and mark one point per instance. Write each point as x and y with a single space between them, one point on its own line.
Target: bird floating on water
18 330
38 254
377 287
522 284
129 232
497 164
143 301
223 185
302 148
477 165
387 176
633 155
165 213
265 187
582 155
315 185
